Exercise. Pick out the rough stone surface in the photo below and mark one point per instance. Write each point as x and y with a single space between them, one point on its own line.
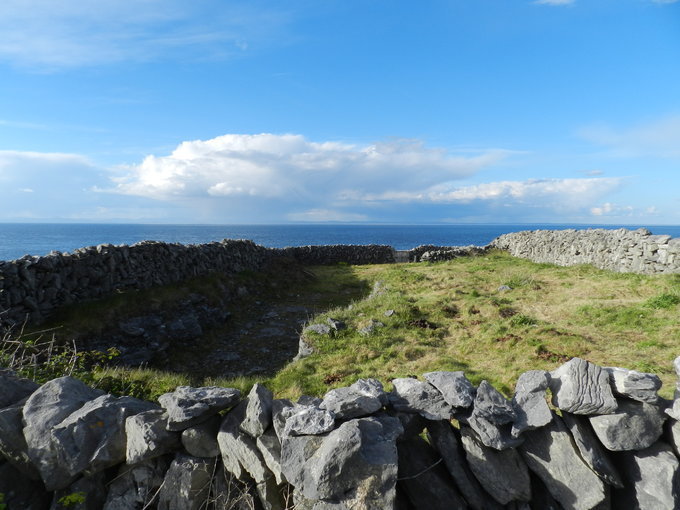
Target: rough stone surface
20 492
444 438
295 453
580 387
591 450
91 488
424 480
353 401
258 411
413 396
14 388
148 436
634 426
48 406
319 329
456 389
492 418
201 440
187 406
651 479
281 410
93 437
550 454
12 443
635 385
134 487
369 328
187 483
529 403
270 448
502 473
308 420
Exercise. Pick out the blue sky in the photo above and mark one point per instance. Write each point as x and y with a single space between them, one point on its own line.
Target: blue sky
216 111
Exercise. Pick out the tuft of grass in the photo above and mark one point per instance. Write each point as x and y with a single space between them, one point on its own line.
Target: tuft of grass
663 301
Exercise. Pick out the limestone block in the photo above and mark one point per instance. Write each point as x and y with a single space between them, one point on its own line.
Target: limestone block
580 387
187 406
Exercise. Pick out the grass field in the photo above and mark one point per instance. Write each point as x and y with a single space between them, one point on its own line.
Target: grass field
457 315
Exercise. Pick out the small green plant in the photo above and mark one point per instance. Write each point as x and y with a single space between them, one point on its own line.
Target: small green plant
522 320
3 505
663 301
73 499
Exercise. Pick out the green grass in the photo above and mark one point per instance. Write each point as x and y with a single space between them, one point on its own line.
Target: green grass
452 316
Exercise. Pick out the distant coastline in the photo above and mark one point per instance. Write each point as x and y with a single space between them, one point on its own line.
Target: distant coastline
18 239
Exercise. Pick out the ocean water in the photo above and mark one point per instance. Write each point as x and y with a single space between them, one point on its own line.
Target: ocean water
18 239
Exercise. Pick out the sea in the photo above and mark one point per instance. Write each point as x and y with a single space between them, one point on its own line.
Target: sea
19 239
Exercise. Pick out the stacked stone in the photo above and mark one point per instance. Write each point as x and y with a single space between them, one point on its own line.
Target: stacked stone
432 253
332 254
436 443
618 250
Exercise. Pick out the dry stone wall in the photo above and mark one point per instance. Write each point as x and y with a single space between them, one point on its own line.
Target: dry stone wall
622 250
614 444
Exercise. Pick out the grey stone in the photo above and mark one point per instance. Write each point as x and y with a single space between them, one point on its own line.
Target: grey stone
502 473
270 448
650 479
281 410
187 406
14 388
674 410
350 402
443 437
258 411
672 435
636 385
504 288
93 437
456 389
529 402
411 395
308 420
135 487
550 453
269 495
12 443
21 492
369 328
335 324
492 418
295 453
319 329
389 313
304 349
48 406
634 426
239 452
424 480
187 483
148 437
580 387
306 400
201 440
371 388
591 450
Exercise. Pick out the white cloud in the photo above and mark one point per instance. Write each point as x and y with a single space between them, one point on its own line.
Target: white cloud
659 138
291 167
68 33
626 211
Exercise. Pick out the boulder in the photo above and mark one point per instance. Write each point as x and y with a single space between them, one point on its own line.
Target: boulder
308 420
650 479
319 329
444 438
354 401
21 492
93 437
591 450
550 453
201 440
14 388
187 483
12 443
424 480
492 418
48 406
634 426
270 448
413 396
258 411
456 389
529 403
502 473
580 387
135 487
635 385
187 406
148 437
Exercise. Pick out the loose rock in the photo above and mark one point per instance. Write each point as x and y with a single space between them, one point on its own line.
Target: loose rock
148 436
187 406
529 402
636 385
580 387
634 426
201 440
258 411
411 395
456 389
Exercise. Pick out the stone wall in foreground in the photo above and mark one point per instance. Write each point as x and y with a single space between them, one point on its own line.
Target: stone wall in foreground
622 250
614 445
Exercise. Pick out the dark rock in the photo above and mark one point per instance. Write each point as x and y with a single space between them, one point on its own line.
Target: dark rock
201 440
456 389
135 487
635 385
492 417
529 402
444 438
371 327
148 437
188 406
580 387
12 443
86 493
21 492
423 478
591 450
187 483
335 324
295 453
634 426
258 411
550 453
14 388
502 473
411 395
